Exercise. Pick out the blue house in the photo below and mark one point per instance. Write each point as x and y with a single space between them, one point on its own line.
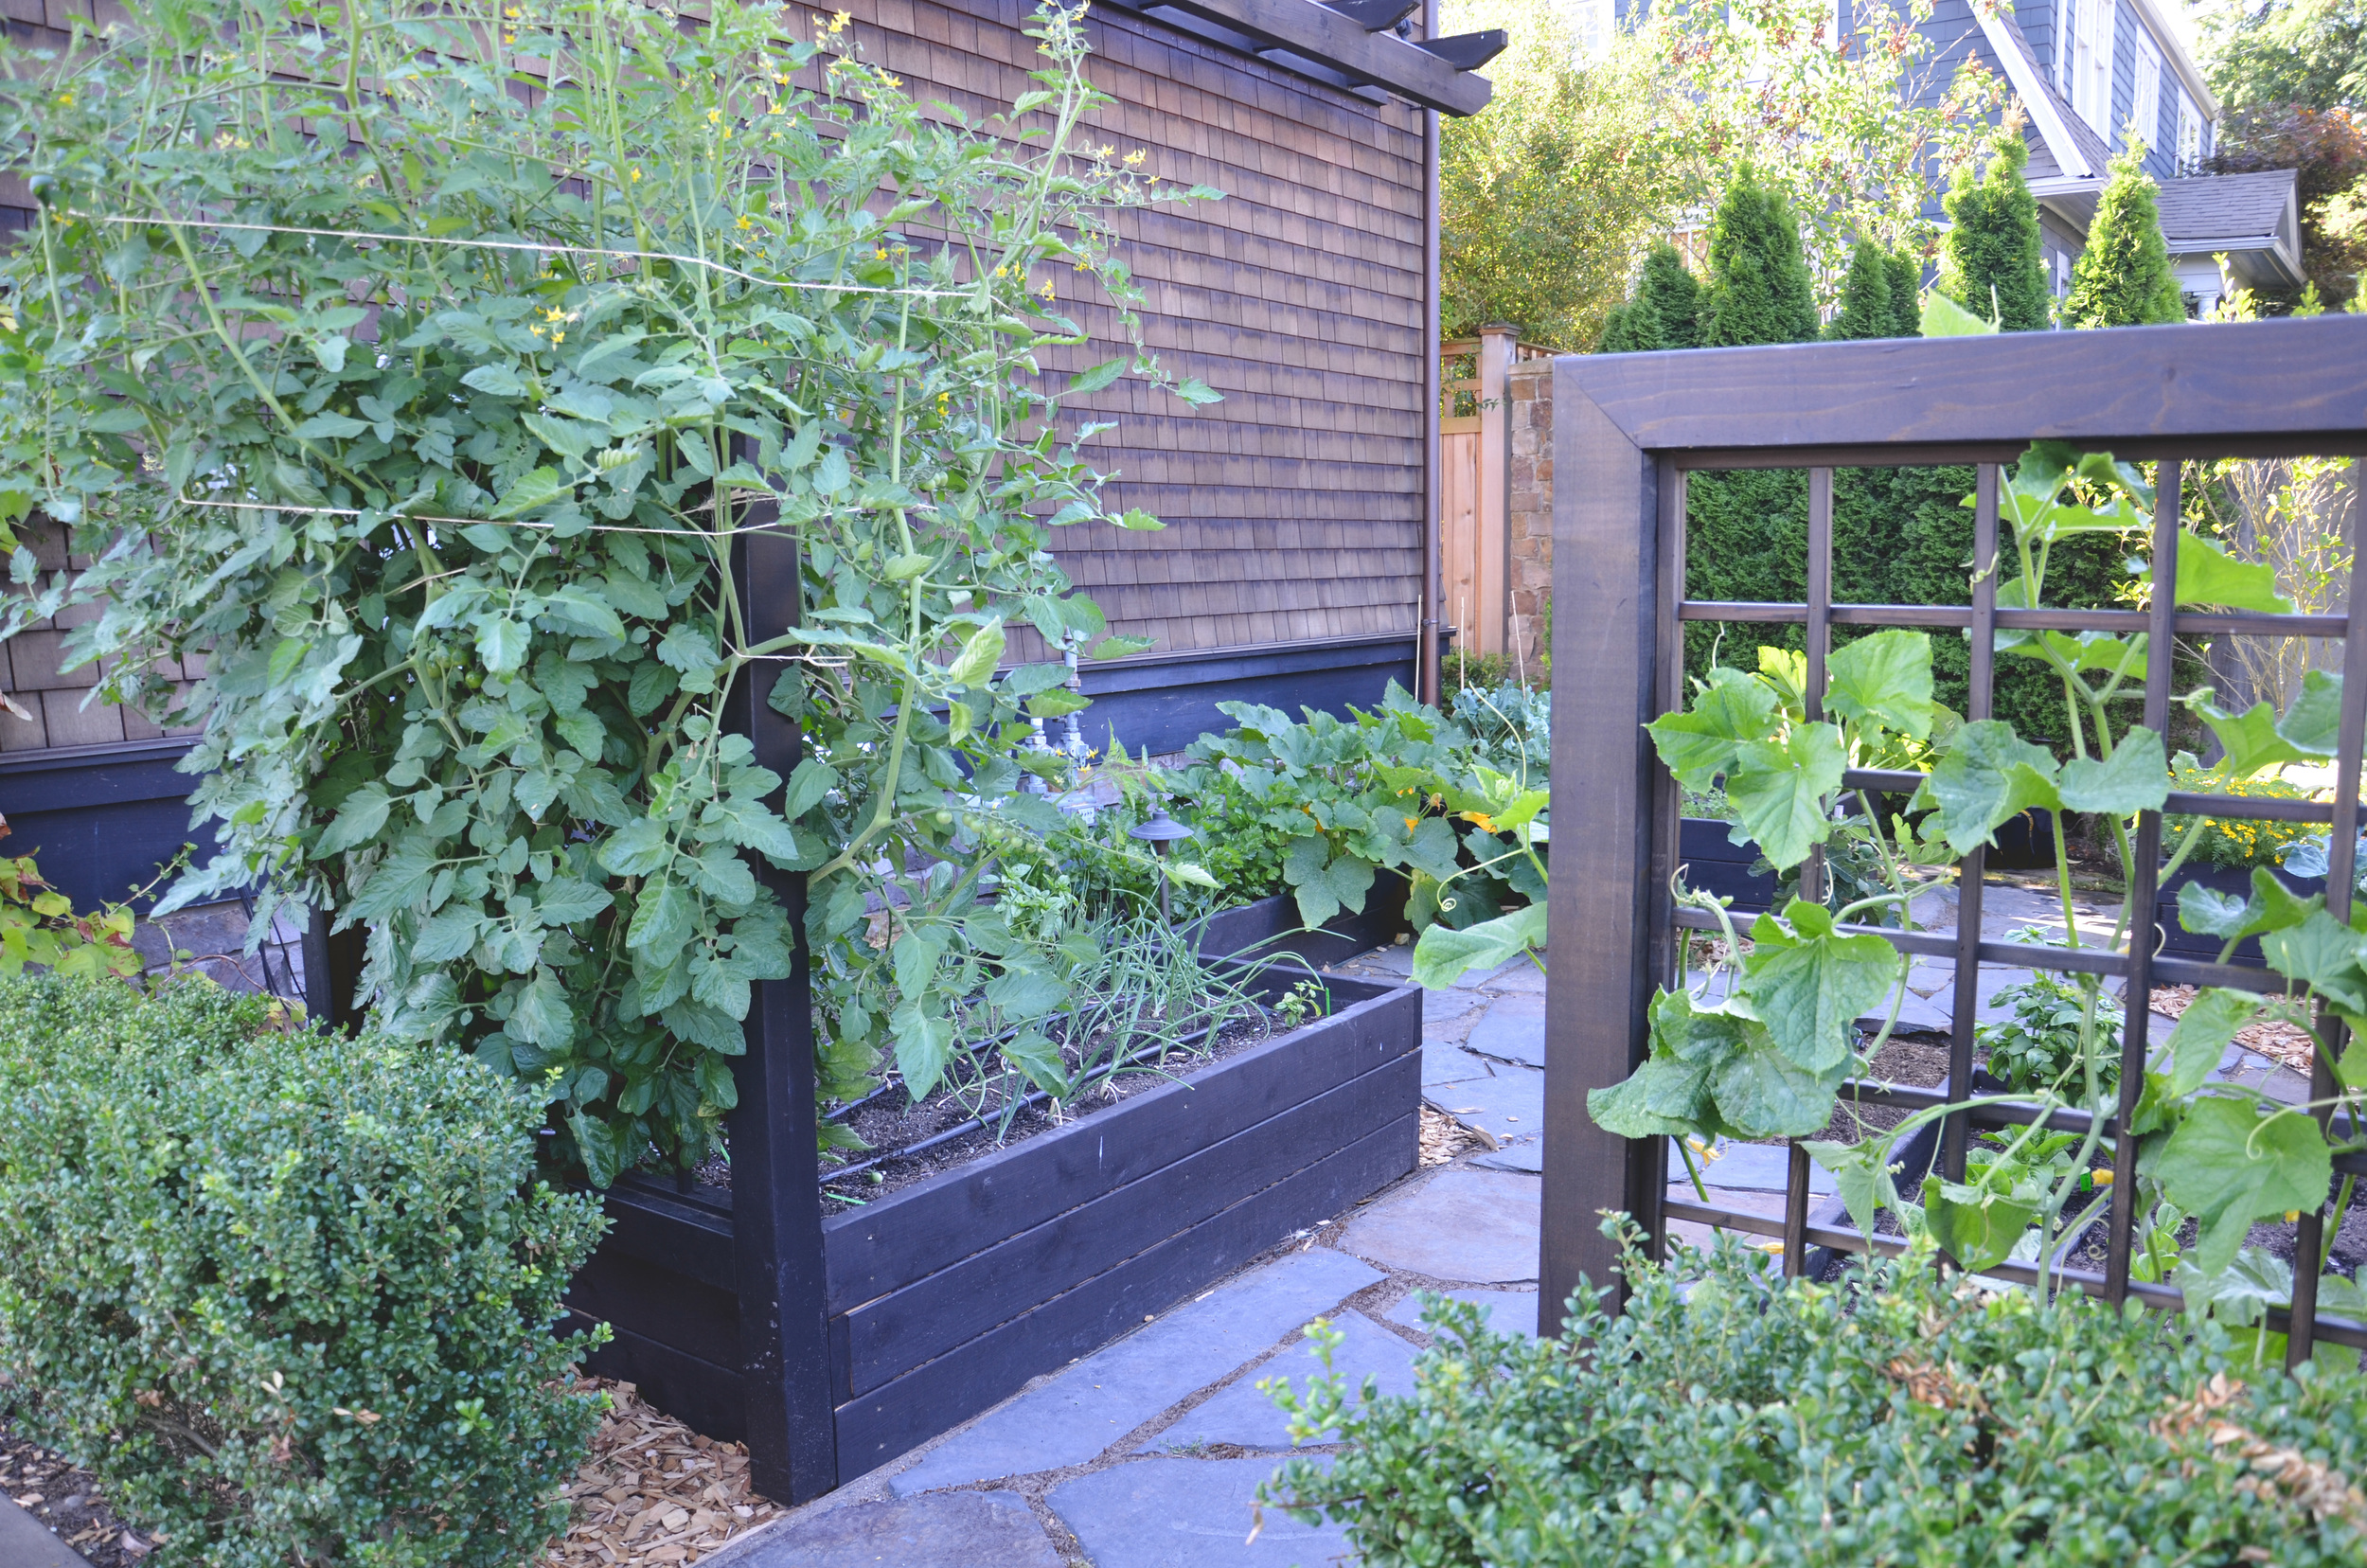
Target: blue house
2092 75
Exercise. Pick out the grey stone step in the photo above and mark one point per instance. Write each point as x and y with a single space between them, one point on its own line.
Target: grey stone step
1451 1065
1512 1029
1188 1513
1508 1312
1110 1393
1243 1415
25 1542
1470 1227
1761 1168
1509 1103
966 1529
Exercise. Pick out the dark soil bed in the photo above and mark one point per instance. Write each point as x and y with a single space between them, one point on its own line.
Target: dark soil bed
889 1122
67 1501
1913 1061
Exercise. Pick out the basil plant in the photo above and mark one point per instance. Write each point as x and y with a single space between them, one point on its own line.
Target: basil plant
423 369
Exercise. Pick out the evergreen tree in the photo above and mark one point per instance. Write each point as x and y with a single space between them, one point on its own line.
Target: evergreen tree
1992 252
1906 276
1759 290
1865 297
2123 278
1675 294
1633 328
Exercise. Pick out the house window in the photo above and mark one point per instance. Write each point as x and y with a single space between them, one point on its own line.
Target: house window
2144 115
1591 20
2189 136
2086 76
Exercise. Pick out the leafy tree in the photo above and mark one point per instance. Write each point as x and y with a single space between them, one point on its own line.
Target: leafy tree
1676 296
2274 53
2123 278
1852 130
1865 297
1546 195
1906 278
1760 289
2327 150
1990 259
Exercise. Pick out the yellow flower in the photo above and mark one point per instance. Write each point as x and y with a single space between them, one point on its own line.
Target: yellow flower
727 133
1487 823
773 109
1411 823
637 175
1137 155
892 82
838 22
558 337
714 114
1047 289
744 222
65 100
509 38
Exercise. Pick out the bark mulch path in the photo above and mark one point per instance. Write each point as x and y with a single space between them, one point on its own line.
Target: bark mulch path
67 1501
653 1491
2280 1040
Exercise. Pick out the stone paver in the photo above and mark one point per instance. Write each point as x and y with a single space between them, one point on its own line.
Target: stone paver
25 1542
1508 1312
1476 1227
966 1529
1764 1168
1451 1065
1244 1415
1526 1154
1509 1103
1188 1513
1512 1029
1104 1397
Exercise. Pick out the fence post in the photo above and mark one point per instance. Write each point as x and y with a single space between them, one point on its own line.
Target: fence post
1607 528
777 1190
1491 580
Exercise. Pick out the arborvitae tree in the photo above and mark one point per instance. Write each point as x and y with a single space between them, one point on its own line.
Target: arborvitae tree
1759 290
2123 278
1906 276
1675 294
1865 297
1994 244
1633 328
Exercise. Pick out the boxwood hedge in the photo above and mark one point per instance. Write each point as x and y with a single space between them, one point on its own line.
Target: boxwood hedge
1902 1416
288 1296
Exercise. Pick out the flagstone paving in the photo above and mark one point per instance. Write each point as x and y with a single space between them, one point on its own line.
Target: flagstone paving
1148 1453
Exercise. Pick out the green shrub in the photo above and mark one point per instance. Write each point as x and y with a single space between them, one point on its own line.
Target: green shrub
1865 310
289 1297
2123 278
1991 259
1902 1416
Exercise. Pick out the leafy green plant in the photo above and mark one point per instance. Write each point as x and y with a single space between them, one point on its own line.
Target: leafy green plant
2038 1049
291 1297
1347 798
2237 844
1304 1001
38 926
450 446
1903 1416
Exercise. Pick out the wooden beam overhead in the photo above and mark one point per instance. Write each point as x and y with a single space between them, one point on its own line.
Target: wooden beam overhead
1336 41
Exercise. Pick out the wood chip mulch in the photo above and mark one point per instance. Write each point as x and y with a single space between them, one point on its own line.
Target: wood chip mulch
69 1501
1444 1138
653 1491
2282 1041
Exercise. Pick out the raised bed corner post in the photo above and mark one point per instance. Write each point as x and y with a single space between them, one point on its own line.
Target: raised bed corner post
1609 589
776 1187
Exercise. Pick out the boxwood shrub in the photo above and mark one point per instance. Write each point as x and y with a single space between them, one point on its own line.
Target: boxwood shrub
1902 1416
288 1296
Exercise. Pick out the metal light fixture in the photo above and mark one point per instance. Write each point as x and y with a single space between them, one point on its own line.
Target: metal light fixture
1160 831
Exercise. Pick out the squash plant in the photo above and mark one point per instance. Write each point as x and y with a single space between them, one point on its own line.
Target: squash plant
1761 1053
423 365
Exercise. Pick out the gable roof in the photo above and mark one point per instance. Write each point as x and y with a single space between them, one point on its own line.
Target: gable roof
2069 147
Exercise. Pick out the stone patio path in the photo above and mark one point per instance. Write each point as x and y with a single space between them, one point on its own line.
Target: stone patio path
1148 1453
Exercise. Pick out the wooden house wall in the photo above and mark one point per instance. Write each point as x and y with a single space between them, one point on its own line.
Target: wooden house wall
1294 507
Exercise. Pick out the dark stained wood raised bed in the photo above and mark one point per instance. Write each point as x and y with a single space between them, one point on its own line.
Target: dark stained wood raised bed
947 1296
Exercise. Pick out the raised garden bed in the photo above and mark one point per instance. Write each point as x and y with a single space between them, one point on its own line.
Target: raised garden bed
947 1296
2179 942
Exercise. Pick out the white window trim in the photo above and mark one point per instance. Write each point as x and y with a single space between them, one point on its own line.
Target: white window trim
2145 108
